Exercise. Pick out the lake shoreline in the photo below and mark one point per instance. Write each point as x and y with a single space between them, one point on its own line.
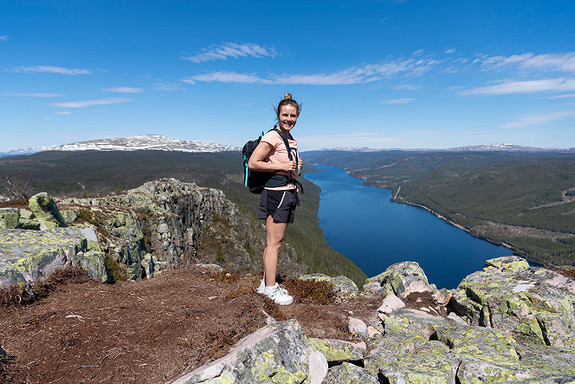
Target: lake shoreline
439 216
448 221
376 235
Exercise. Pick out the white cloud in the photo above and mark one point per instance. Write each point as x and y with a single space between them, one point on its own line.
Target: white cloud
540 119
89 103
162 85
62 113
4 38
397 101
566 96
528 86
355 75
339 78
123 90
543 70
40 95
227 77
564 62
51 69
407 87
233 50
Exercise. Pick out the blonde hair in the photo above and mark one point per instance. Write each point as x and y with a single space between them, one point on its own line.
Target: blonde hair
288 100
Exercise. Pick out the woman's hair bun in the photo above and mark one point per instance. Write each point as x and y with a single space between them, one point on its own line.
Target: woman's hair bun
287 96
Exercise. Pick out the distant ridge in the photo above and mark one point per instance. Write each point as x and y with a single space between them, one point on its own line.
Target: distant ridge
143 142
473 148
163 143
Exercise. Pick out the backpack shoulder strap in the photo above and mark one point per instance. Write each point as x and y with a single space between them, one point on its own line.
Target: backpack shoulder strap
285 139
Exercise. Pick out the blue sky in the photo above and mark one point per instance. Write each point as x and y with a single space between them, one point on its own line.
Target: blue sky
370 73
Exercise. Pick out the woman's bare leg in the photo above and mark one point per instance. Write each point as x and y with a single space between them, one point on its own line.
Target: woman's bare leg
275 234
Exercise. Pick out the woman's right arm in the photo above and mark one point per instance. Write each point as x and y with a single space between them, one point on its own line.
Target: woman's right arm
257 160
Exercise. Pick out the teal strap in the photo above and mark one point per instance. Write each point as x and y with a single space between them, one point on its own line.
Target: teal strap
246 174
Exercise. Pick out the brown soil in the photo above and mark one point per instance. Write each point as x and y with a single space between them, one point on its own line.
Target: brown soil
153 331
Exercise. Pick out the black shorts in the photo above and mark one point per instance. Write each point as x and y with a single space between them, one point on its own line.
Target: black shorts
279 204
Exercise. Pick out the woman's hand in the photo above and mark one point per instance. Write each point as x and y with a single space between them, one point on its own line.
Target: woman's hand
288 166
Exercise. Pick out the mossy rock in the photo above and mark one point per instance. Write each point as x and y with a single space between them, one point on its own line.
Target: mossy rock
46 211
9 218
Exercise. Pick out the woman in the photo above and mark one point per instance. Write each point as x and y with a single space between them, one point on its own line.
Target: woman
279 198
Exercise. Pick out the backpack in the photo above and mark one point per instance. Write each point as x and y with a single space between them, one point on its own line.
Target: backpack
256 180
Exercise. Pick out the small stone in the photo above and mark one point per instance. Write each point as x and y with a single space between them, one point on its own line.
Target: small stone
442 296
390 304
357 327
372 332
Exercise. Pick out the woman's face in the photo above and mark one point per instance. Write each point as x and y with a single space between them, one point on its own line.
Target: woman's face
287 117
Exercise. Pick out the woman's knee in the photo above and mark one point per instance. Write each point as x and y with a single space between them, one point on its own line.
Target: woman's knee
274 244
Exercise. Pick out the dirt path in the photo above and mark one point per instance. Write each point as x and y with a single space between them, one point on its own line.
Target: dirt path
152 331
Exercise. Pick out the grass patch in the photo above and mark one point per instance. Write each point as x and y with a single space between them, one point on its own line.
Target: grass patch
311 291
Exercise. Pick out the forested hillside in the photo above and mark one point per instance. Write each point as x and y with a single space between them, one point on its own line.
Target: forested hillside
523 199
93 173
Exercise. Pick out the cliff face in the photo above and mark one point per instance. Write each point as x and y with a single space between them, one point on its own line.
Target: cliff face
162 224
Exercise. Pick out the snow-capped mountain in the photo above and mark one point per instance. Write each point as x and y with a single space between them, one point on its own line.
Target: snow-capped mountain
503 147
143 142
474 148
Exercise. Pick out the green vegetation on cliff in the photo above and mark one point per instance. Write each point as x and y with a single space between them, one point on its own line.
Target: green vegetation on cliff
93 173
523 199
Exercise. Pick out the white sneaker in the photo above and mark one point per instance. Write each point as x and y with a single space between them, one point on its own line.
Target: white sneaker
260 289
278 295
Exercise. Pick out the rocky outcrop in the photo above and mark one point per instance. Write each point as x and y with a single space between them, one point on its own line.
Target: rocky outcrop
476 333
532 304
46 211
168 223
277 353
400 279
27 256
35 242
137 234
42 213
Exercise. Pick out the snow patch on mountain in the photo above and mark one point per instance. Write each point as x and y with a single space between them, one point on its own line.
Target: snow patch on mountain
143 142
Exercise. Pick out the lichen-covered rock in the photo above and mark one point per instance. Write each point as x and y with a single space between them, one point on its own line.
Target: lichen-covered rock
548 379
413 321
316 277
342 286
9 218
533 304
46 211
277 353
401 279
28 256
27 220
543 360
338 351
411 358
508 263
485 354
69 215
348 373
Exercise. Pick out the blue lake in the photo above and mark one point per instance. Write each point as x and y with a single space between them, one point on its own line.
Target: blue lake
362 224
